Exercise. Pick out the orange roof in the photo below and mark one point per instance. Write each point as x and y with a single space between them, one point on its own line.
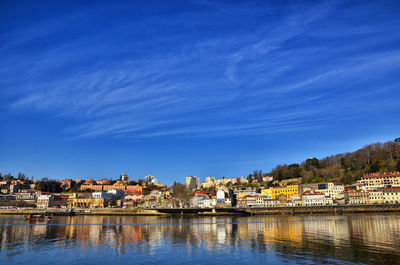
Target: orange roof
391 189
382 175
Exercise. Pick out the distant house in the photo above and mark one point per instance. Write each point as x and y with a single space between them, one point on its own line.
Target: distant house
315 198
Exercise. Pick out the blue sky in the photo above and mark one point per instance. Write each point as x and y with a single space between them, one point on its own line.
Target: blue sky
176 88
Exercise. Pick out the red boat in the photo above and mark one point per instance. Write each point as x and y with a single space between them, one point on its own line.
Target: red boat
33 217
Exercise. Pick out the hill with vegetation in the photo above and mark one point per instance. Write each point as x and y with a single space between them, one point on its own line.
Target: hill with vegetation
346 168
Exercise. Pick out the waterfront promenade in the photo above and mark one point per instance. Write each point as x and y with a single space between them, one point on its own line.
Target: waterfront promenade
287 210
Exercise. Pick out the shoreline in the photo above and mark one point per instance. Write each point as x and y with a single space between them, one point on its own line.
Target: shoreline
305 210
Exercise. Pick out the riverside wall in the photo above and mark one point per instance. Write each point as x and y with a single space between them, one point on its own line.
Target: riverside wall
72 212
334 210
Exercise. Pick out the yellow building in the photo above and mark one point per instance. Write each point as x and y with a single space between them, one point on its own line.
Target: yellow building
267 191
75 202
208 184
288 191
381 180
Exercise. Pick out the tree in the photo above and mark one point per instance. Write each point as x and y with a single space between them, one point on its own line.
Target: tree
181 195
21 176
312 162
47 185
250 178
347 167
8 176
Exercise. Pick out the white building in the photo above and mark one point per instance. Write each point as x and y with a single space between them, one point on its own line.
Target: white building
269 203
205 203
150 179
251 201
331 189
248 191
110 194
220 195
210 178
44 201
267 178
315 198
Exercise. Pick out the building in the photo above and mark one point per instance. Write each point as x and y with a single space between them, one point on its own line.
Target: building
220 195
315 198
354 196
124 177
208 184
84 201
26 195
14 188
89 181
90 187
296 200
210 178
381 180
150 179
44 201
134 189
331 189
260 200
391 195
269 203
243 180
251 201
131 189
288 191
205 203
192 182
103 182
376 196
66 184
110 194
245 191
50 200
7 197
267 178
242 201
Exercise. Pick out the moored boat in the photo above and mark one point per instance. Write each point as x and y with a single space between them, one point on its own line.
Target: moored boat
33 216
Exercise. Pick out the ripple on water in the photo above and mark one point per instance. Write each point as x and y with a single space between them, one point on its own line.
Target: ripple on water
206 240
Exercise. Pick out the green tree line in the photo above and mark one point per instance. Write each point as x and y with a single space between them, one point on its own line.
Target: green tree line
346 168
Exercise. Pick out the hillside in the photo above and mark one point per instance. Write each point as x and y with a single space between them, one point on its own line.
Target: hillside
346 168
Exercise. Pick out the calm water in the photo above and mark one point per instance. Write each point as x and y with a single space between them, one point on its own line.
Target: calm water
372 239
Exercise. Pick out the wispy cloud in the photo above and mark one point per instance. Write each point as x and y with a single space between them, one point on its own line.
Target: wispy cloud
294 71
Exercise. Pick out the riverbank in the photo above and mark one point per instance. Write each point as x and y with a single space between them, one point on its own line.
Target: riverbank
335 210
63 212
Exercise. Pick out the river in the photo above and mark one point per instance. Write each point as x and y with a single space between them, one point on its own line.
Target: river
304 239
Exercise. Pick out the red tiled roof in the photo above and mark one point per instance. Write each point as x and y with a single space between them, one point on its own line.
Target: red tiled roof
312 192
396 189
382 175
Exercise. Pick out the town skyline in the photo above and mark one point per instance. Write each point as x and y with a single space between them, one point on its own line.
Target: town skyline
193 88
342 168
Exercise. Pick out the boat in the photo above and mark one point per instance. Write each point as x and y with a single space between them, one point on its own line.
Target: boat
33 217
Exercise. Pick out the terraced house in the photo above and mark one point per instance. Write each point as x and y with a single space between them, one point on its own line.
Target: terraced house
381 180
391 195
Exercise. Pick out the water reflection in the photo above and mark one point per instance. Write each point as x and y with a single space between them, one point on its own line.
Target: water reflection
329 239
